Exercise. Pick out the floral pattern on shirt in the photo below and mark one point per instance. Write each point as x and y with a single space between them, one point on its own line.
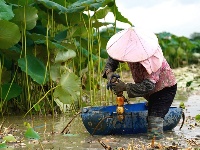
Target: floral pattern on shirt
163 77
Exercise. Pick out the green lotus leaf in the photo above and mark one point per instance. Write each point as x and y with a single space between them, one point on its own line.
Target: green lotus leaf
6 12
40 28
197 117
63 96
9 138
21 2
61 35
78 6
70 82
35 68
81 32
37 107
9 34
11 54
25 17
9 91
101 13
73 19
51 45
37 37
119 16
170 51
27 125
56 6
54 45
63 3
5 75
97 24
173 42
164 35
90 4
69 88
104 54
182 105
180 52
63 56
31 134
3 144
55 72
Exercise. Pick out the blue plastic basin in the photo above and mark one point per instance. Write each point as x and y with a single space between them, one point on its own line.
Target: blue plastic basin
103 120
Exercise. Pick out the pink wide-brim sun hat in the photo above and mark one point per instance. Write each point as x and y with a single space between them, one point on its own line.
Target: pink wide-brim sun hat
132 45
136 45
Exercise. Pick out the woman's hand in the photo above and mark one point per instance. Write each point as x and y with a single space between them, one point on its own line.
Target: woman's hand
118 87
112 78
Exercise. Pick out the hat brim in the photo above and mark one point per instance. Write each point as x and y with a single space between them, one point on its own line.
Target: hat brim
132 45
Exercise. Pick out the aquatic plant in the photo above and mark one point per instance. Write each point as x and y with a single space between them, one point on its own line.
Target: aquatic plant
52 50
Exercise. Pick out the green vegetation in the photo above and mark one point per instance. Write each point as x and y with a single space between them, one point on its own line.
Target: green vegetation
7 137
179 51
52 50
52 53
197 117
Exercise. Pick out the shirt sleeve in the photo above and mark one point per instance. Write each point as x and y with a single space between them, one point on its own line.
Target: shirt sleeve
140 89
111 66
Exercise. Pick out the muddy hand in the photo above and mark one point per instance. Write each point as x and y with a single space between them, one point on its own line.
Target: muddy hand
119 87
112 80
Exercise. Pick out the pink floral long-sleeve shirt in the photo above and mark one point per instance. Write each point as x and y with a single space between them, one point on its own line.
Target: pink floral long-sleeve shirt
163 77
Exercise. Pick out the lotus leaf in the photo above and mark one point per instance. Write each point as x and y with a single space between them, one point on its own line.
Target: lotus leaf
9 34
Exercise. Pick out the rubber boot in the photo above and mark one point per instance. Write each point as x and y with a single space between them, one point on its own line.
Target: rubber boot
155 127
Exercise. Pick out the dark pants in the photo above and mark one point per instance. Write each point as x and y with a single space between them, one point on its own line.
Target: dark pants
160 102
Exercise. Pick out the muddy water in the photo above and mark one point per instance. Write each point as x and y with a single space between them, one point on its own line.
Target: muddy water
78 138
